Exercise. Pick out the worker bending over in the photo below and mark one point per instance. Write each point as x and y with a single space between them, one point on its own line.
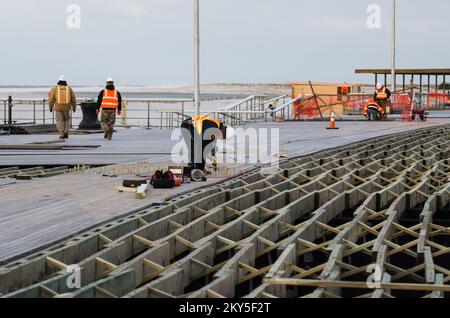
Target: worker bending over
62 98
110 102
199 133
382 96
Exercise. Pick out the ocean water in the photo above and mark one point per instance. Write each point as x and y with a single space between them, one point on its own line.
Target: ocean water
137 113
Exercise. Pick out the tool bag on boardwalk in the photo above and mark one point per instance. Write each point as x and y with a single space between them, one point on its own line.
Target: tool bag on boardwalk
162 180
133 183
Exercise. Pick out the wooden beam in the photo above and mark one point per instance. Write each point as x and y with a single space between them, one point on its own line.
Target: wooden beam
142 222
55 263
200 263
144 240
251 225
355 285
48 291
104 292
199 210
213 225
184 242
159 293
105 239
212 294
153 265
105 263
175 224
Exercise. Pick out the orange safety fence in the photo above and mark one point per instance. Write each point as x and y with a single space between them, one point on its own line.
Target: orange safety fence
437 100
344 105
311 107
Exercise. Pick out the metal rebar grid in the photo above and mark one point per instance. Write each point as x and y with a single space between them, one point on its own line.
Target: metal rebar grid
365 220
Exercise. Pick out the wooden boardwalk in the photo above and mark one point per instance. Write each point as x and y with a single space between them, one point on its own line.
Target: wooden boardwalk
41 212
38 213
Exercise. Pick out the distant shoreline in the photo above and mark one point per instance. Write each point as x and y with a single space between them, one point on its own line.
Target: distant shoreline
232 88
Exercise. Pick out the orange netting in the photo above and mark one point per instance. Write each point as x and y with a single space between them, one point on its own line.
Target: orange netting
347 105
402 103
437 100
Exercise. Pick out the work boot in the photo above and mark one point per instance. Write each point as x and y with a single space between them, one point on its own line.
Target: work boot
66 135
61 136
105 135
109 135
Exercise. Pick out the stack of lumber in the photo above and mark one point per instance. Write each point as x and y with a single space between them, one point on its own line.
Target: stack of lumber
25 129
44 146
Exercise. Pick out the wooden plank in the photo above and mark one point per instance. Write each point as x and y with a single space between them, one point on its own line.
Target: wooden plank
355 285
105 263
144 240
55 263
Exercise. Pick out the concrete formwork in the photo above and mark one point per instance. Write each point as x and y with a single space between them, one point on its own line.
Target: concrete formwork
315 228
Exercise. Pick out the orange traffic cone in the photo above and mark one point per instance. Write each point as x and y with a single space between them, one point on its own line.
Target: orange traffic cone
332 122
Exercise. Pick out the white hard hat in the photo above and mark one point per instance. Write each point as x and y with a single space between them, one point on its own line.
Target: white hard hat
62 78
379 86
109 79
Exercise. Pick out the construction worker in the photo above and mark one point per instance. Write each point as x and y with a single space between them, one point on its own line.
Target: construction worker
382 96
193 131
62 98
110 102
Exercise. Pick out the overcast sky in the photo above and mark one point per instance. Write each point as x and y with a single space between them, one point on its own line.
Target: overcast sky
149 42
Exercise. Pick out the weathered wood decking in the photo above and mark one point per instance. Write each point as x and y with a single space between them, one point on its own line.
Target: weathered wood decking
38 213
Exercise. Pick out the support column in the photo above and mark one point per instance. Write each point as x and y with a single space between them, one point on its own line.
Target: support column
420 86
197 56
393 84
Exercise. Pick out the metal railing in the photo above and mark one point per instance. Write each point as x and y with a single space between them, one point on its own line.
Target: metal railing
135 112
148 113
251 108
285 110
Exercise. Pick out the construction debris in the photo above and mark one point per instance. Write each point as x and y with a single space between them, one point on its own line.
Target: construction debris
44 146
25 129
33 172
141 190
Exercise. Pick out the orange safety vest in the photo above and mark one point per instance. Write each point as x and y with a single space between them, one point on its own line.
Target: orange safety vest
381 94
62 95
372 105
110 99
198 122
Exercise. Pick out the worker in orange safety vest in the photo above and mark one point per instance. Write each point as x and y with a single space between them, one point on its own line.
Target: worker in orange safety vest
382 96
110 102
193 131
62 99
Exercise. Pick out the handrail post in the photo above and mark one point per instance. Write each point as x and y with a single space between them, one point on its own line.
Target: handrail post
43 111
148 114
34 112
10 106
